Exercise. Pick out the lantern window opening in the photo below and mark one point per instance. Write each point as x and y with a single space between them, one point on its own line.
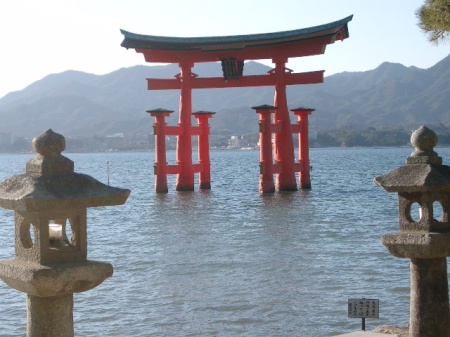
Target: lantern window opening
60 237
55 230
74 223
414 212
27 234
438 212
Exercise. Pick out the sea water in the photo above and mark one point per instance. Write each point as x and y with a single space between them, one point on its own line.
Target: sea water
229 261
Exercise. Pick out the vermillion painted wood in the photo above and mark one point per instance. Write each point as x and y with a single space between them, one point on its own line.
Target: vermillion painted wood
266 184
304 179
232 51
160 146
203 149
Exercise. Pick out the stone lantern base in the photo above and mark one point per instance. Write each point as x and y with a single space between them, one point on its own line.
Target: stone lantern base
50 291
429 307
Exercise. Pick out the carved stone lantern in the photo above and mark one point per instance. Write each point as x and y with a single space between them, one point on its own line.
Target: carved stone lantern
50 202
423 183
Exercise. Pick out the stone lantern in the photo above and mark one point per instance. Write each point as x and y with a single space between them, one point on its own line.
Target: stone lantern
50 202
423 183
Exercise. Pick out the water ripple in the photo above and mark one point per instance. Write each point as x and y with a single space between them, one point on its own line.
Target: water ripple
230 262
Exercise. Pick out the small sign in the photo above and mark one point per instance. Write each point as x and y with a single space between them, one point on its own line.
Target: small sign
363 308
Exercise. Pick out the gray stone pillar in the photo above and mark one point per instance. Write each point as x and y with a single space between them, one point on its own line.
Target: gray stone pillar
50 202
429 307
424 238
45 314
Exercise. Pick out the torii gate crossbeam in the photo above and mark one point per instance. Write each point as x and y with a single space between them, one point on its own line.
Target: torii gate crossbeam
244 81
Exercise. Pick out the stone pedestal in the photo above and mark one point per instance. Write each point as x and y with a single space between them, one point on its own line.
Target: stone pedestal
429 308
45 316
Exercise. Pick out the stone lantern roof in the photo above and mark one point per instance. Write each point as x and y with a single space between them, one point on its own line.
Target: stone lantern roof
423 171
51 183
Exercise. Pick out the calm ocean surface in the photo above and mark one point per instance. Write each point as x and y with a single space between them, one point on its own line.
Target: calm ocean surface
230 262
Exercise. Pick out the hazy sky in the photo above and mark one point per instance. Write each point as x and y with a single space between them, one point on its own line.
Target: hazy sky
51 36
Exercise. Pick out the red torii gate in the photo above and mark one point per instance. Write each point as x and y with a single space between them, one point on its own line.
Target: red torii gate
232 51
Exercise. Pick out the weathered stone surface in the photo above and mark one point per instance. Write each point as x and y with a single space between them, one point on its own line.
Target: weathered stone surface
424 140
429 298
392 330
49 143
48 200
427 220
424 181
46 166
417 244
33 242
54 279
416 178
50 182
424 170
46 315
41 193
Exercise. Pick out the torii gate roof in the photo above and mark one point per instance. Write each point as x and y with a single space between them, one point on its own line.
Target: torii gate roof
292 43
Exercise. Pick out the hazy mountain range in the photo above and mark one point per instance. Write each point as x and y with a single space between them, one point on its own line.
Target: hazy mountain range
80 104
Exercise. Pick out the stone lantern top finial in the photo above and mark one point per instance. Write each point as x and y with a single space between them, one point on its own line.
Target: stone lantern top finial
423 171
49 160
424 140
49 143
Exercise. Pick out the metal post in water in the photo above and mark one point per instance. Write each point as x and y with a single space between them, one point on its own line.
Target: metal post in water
107 169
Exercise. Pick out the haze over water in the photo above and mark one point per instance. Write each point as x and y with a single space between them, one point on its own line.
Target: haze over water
230 262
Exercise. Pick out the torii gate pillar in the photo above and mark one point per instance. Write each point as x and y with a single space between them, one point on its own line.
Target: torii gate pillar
266 166
304 178
185 177
283 143
203 148
159 129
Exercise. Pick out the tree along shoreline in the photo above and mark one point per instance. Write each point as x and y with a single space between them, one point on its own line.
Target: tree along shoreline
336 138
371 137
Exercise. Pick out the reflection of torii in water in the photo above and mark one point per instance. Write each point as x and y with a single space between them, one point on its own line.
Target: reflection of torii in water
232 51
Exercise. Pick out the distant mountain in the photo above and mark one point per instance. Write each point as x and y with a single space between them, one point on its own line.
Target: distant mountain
390 95
80 104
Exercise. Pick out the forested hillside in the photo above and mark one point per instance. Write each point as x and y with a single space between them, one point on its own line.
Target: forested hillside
80 104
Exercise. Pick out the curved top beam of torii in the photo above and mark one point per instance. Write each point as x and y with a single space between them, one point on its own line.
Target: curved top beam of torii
286 44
